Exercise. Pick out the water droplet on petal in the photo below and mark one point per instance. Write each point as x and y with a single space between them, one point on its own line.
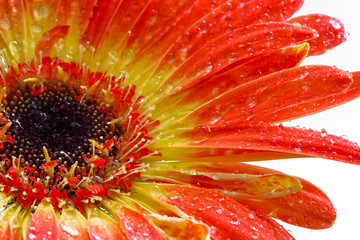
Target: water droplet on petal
128 56
36 28
4 23
15 46
70 230
201 133
41 12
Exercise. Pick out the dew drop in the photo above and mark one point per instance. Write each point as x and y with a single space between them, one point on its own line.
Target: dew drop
5 23
152 20
31 236
15 46
251 102
335 24
232 56
208 67
201 133
36 28
41 12
70 230
128 56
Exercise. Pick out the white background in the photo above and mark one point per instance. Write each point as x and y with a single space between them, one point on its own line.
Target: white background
340 181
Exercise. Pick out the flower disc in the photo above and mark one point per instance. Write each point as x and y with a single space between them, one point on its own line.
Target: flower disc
65 140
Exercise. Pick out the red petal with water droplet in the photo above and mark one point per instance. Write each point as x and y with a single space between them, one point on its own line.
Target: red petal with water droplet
317 105
232 47
201 20
309 207
276 138
227 218
250 102
136 225
232 77
331 31
43 224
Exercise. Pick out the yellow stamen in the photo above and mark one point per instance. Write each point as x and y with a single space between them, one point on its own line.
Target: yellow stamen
71 172
94 143
3 131
92 88
2 94
114 121
31 80
48 169
46 154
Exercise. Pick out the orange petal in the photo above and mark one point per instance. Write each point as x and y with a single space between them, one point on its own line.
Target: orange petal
43 224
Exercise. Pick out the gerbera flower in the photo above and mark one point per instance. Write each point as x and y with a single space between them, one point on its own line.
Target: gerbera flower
133 119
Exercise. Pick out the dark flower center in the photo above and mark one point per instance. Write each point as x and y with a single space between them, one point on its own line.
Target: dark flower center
57 118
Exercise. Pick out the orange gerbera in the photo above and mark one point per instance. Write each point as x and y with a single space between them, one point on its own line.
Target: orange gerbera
132 119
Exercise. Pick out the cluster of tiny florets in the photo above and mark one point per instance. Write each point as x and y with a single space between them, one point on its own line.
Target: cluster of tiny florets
68 134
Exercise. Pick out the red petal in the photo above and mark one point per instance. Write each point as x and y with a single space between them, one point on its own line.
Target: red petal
317 105
76 14
233 77
43 224
331 31
276 138
136 225
309 207
232 47
266 95
49 38
111 23
192 16
227 218
100 20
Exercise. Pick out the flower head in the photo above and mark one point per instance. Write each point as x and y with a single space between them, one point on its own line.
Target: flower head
133 119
